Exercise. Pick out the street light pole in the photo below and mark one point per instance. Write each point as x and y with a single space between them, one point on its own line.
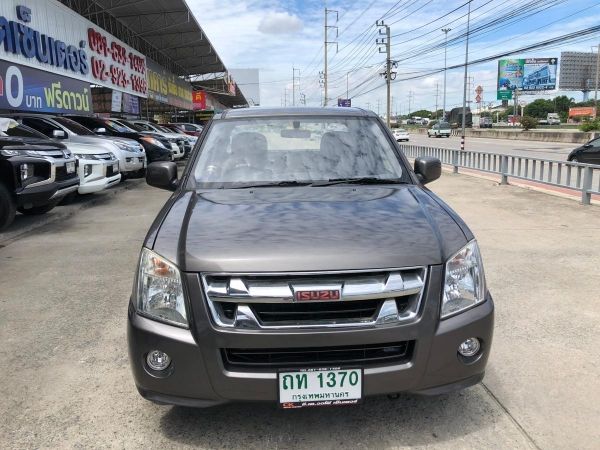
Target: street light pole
445 30
597 76
464 111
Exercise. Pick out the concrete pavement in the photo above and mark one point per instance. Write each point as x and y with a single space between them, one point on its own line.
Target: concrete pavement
532 149
65 373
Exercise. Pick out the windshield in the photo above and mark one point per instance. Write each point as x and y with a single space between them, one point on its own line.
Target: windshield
163 129
302 150
73 126
10 127
444 125
130 125
121 126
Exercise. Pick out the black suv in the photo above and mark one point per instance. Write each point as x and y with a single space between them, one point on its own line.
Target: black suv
35 173
157 148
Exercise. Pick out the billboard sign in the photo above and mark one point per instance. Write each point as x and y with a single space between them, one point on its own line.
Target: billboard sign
199 99
582 111
23 88
578 71
47 35
165 87
529 74
345 102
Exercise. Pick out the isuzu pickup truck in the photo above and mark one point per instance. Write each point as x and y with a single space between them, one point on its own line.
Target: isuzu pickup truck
302 261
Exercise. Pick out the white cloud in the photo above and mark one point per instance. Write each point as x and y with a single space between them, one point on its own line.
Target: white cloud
280 23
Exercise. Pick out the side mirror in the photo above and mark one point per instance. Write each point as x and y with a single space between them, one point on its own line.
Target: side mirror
100 130
162 175
59 134
428 169
588 145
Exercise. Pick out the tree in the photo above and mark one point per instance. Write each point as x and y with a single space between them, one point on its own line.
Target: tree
539 108
421 113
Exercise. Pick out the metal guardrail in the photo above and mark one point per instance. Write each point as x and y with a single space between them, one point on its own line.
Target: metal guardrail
576 176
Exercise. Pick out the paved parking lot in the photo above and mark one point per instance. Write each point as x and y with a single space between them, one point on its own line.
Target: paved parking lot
65 374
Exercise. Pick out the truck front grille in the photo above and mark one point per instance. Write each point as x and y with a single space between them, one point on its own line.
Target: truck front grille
350 355
256 301
62 175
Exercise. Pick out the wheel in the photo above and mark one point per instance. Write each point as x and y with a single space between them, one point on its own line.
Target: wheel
7 207
37 210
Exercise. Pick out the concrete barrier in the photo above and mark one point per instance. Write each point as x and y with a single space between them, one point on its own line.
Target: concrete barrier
575 137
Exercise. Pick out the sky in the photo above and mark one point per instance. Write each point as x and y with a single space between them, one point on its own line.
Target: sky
276 36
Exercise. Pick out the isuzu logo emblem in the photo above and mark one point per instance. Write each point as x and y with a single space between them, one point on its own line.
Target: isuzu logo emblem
323 294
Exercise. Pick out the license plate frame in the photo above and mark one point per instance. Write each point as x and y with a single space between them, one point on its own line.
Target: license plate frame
329 398
70 167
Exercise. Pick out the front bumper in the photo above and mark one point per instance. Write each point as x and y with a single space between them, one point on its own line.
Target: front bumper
198 377
132 162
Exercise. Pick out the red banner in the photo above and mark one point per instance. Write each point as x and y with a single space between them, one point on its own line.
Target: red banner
199 99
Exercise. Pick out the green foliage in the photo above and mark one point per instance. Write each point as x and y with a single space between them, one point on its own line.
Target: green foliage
591 125
529 123
539 108
421 113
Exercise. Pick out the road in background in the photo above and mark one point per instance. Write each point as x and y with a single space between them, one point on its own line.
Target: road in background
532 149
65 372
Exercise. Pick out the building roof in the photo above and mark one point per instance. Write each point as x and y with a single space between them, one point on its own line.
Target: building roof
164 30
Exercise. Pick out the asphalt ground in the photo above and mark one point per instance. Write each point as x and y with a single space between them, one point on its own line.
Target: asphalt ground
64 290
533 149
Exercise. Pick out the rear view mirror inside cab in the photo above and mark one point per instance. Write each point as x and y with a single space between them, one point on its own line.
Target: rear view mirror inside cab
295 134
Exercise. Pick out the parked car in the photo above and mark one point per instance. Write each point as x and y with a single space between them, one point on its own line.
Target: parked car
440 129
97 169
553 119
400 134
129 154
156 147
587 153
35 174
192 129
182 140
192 138
305 267
173 143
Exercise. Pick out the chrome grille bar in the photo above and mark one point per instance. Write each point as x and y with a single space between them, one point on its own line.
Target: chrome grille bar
231 298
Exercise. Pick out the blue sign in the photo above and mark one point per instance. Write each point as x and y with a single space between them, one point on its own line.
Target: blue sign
23 88
20 39
345 102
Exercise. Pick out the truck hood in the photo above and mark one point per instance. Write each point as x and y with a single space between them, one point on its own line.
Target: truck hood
306 229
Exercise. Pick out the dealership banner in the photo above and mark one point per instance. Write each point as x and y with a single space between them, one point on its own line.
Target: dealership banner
25 89
165 87
530 74
199 98
46 35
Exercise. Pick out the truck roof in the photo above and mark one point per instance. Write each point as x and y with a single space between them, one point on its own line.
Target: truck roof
293 111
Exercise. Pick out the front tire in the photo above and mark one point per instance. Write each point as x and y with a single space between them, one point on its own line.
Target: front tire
38 210
7 208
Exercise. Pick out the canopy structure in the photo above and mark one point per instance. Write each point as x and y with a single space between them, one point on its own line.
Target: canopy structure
167 32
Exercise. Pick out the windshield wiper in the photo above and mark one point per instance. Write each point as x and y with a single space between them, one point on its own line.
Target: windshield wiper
361 180
271 184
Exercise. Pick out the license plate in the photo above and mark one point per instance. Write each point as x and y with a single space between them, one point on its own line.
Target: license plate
319 387
70 166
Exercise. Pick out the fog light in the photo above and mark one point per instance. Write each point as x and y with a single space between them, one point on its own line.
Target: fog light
26 171
87 170
158 360
470 347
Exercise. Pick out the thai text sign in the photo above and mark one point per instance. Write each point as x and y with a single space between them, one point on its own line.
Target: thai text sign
165 87
46 35
26 89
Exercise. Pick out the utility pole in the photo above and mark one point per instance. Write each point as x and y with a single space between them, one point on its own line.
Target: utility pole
411 95
445 30
347 73
389 76
437 87
326 43
464 111
294 84
597 76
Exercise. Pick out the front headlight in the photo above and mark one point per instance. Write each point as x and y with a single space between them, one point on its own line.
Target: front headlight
9 152
153 141
159 290
84 156
464 285
120 145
